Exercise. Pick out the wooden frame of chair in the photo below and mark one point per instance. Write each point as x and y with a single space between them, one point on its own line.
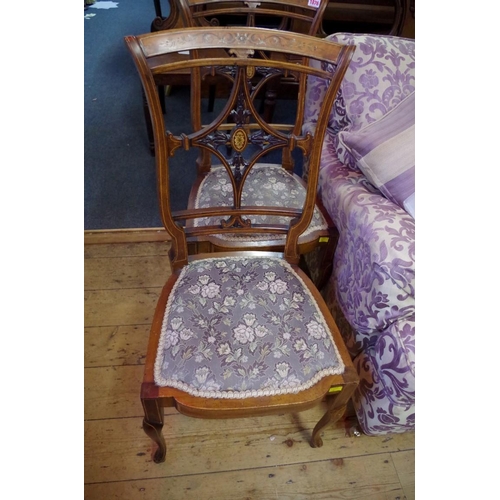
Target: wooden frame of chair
294 15
242 43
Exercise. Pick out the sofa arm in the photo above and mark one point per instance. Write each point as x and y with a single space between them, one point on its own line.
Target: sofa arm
374 264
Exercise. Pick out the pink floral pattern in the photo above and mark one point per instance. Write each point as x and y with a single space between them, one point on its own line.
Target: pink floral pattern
240 327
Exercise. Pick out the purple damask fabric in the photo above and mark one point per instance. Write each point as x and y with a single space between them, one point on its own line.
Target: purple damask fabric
374 263
372 289
380 75
243 327
385 399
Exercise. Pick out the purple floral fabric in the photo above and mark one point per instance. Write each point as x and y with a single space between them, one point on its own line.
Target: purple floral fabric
380 75
374 264
371 292
385 399
243 327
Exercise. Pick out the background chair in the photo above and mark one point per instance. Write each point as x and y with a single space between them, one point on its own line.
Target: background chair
240 333
286 187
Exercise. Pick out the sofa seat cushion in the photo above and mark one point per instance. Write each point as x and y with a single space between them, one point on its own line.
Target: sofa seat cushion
385 152
242 327
266 185
374 264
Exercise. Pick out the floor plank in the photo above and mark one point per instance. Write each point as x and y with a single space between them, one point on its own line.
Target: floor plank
118 449
353 478
405 467
126 250
130 306
126 272
118 236
115 345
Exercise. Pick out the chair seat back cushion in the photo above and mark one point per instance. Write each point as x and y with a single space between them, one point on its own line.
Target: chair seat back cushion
385 152
243 327
266 185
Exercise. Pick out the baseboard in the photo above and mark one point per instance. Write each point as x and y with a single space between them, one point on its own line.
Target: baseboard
132 235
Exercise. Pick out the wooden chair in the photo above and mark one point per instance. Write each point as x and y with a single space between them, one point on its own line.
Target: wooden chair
240 333
294 15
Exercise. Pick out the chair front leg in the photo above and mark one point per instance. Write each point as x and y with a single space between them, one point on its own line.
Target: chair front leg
337 406
152 425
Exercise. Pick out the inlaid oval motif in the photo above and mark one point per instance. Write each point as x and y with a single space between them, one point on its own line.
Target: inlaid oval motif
250 71
239 140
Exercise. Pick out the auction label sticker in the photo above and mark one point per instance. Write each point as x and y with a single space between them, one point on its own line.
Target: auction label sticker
313 3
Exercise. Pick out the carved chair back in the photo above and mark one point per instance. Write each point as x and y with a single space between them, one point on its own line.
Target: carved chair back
238 137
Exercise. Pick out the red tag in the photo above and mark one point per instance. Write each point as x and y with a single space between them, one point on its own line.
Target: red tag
313 3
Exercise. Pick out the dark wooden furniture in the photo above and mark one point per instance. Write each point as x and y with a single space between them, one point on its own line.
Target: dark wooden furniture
394 17
366 16
240 333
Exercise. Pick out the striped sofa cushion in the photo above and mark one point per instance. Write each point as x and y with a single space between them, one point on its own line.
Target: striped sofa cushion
385 152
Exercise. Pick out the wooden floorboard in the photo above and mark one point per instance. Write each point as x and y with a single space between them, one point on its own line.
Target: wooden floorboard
250 458
139 235
369 477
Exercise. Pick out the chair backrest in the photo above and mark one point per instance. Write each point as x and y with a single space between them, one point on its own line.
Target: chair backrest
298 16
238 137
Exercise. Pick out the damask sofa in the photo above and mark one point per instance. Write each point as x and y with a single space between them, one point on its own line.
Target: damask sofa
367 185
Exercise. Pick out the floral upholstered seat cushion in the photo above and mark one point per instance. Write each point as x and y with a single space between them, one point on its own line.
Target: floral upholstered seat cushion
242 327
266 185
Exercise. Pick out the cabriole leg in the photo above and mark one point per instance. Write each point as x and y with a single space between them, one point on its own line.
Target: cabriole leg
152 425
337 406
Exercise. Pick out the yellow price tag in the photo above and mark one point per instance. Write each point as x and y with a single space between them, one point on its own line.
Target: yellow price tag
324 239
336 388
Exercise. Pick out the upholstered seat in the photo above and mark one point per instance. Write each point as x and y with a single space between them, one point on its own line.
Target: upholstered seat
238 327
266 185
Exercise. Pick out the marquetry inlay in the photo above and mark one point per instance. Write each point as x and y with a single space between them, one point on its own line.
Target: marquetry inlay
239 140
